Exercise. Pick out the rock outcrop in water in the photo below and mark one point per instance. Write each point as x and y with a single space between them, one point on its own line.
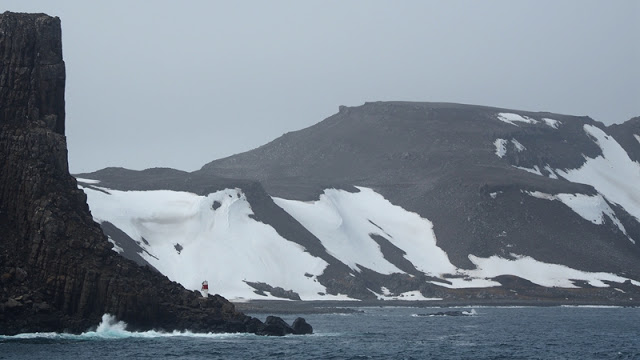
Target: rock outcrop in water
57 270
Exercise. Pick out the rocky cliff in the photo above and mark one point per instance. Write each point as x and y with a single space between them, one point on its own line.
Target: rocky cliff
57 270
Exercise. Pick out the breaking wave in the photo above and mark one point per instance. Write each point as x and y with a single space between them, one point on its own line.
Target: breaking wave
111 328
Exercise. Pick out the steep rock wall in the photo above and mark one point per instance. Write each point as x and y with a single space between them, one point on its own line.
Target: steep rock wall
57 270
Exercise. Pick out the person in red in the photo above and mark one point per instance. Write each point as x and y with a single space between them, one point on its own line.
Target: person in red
205 289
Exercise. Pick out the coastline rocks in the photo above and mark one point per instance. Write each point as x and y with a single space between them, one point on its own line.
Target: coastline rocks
274 325
57 270
301 327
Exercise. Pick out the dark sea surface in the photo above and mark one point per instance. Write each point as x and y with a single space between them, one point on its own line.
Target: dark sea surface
377 333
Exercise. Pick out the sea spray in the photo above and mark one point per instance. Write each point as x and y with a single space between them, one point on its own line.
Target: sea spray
110 328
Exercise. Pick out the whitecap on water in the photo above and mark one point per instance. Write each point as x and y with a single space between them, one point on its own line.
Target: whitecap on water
111 328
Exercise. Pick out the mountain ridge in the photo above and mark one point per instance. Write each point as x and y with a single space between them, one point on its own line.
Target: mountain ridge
490 180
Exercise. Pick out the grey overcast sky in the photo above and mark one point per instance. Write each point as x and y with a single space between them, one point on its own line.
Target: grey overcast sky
181 83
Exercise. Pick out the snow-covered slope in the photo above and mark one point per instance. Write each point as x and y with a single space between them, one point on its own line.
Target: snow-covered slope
613 174
390 198
192 238
345 221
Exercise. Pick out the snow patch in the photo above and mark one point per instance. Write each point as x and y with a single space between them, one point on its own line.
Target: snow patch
637 137
224 246
415 295
552 174
519 147
115 248
467 282
344 221
535 170
552 123
495 194
543 274
509 118
88 181
592 208
501 147
614 174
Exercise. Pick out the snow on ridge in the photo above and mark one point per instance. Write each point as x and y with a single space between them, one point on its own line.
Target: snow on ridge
591 208
220 242
88 181
551 122
501 147
543 274
344 223
509 118
637 137
613 174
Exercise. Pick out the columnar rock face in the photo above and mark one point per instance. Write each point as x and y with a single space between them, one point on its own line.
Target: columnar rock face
57 270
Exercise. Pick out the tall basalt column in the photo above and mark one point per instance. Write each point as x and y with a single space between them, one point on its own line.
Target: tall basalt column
57 270
32 76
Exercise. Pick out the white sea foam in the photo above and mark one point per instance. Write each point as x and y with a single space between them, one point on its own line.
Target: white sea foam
111 328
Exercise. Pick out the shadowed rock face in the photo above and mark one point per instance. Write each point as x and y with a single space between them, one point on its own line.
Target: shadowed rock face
57 270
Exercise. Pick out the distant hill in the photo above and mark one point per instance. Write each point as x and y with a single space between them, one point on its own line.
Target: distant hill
397 200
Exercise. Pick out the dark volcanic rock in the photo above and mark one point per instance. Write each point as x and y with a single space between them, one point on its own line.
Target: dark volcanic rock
274 325
301 327
57 270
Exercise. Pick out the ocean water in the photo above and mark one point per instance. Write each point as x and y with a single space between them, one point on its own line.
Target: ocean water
376 333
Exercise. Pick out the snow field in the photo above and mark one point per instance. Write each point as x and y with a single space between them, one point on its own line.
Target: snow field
224 246
592 208
344 221
544 274
614 174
